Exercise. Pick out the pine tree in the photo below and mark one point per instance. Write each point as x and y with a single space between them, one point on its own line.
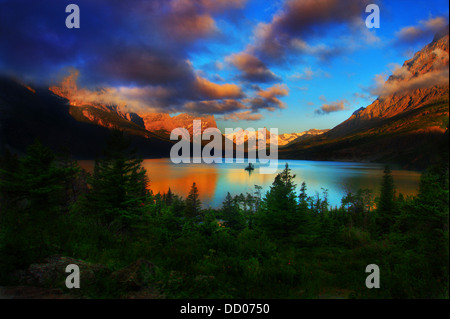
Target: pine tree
193 203
32 192
303 198
232 214
431 217
258 197
279 216
386 203
169 197
118 187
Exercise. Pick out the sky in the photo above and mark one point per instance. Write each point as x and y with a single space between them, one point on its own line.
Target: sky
294 65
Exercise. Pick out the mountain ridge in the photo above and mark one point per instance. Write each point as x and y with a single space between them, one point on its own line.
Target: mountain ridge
404 125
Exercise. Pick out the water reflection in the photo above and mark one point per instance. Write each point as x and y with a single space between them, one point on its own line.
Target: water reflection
214 181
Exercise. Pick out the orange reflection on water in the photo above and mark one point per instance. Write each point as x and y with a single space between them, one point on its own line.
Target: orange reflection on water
163 174
214 181
179 178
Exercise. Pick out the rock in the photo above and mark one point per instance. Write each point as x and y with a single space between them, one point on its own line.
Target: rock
52 272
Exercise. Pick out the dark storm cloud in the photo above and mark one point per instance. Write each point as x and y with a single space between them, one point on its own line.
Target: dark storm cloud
293 32
130 42
300 20
127 44
215 106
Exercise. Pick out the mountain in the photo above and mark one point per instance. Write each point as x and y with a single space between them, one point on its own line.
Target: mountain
430 65
243 136
63 120
162 124
404 125
85 107
286 139
28 113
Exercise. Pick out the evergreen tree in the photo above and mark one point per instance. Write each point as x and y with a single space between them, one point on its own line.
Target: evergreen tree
430 220
258 197
118 187
279 216
193 203
303 198
232 214
32 193
386 203
169 197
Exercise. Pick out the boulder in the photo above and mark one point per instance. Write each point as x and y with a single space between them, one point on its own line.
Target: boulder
51 272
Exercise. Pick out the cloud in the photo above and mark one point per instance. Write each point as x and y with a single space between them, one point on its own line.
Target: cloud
404 80
140 65
384 88
269 98
220 98
423 31
242 116
332 107
203 97
134 44
187 26
185 20
252 68
214 106
321 51
308 74
220 5
133 99
362 96
210 90
299 20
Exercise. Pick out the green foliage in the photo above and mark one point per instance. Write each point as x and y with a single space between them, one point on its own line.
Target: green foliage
386 203
32 197
193 203
279 215
232 212
275 245
118 187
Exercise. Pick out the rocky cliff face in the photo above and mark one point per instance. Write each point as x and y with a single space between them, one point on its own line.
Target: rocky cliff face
243 136
420 81
285 139
407 124
38 113
164 123
106 114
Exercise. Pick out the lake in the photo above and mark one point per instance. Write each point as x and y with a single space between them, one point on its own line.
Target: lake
215 180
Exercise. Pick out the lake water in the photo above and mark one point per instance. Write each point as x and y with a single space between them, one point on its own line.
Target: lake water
215 180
